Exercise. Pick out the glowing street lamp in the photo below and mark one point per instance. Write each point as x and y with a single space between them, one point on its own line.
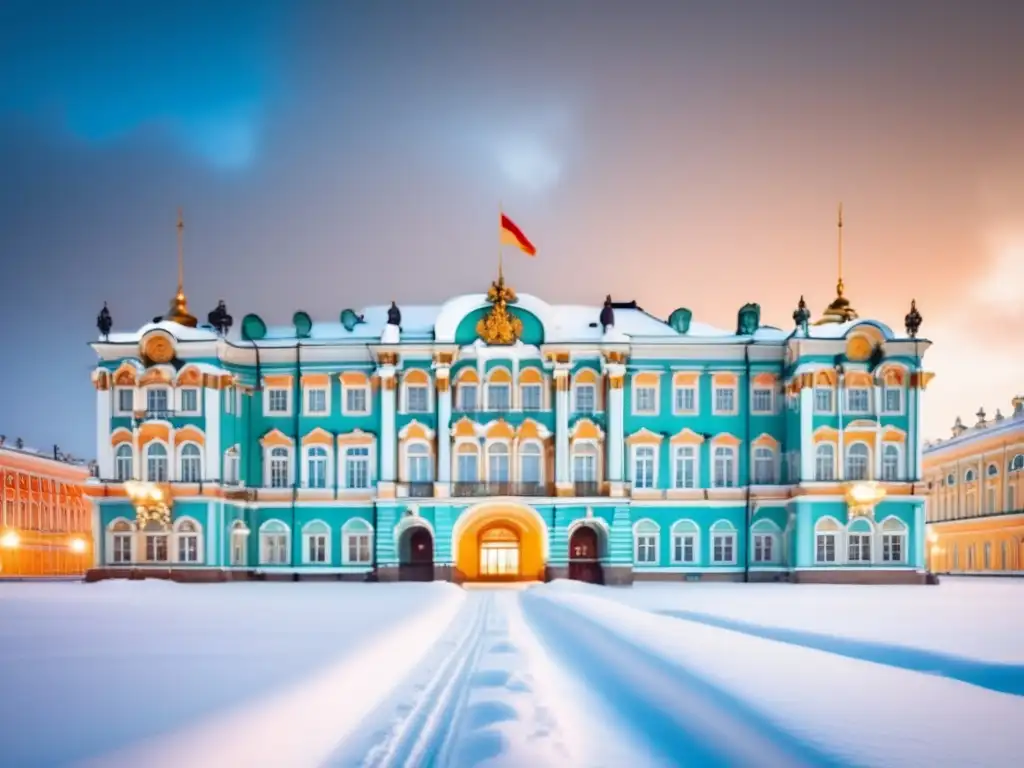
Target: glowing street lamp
77 546
149 502
10 540
861 498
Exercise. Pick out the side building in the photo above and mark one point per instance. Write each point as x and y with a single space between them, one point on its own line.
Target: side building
45 515
976 496
498 436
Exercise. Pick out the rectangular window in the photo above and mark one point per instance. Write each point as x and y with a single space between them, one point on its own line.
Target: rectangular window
825 548
643 467
355 400
277 400
762 548
417 399
359 548
859 548
357 468
122 548
532 397
584 398
684 400
684 549
316 548
156 547
822 400
685 475
316 401
499 397
647 549
892 548
156 401
646 400
725 400
125 400
723 549
467 397
857 400
467 468
762 401
190 401
892 400
188 549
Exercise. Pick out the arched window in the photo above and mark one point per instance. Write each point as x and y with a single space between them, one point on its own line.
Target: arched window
826 540
119 542
894 541
531 466
825 462
239 544
357 542
765 540
992 470
724 467
764 466
275 541
316 543
857 461
419 466
987 556
191 464
231 467
584 462
497 463
685 542
890 463
123 463
279 468
969 476
156 463
1017 463
950 479
645 541
684 466
858 541
316 467
723 543
357 467
186 533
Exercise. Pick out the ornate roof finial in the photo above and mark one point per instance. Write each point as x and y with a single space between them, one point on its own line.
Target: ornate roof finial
999 415
394 314
104 322
913 320
802 315
839 311
981 417
958 427
179 304
499 326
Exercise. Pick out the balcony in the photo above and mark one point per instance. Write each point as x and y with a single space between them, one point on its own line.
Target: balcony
586 488
160 414
419 490
476 490
480 409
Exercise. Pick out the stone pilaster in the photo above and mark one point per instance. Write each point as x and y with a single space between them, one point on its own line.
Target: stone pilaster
562 481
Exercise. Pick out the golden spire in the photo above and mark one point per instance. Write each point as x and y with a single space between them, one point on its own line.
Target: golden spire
839 311
179 304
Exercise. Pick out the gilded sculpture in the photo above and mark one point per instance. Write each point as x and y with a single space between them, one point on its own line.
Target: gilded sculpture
500 327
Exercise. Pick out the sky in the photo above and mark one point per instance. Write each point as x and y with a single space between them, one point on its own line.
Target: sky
684 154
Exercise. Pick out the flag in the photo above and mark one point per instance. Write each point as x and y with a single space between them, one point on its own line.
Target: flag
510 234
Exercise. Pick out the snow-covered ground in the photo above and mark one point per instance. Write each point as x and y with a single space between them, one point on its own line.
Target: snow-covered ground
564 674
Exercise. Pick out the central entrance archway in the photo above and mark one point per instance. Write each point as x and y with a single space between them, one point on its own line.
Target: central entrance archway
585 555
499 542
416 554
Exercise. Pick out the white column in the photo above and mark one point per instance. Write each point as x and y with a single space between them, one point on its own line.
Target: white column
211 414
562 429
876 392
444 431
916 450
104 451
807 455
616 427
388 442
840 447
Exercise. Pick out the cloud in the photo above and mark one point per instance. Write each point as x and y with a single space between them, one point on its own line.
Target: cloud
999 286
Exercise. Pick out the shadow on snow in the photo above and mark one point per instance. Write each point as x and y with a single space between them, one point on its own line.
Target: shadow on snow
1004 678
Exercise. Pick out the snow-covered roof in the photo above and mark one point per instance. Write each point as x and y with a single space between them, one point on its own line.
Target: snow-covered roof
1004 427
180 332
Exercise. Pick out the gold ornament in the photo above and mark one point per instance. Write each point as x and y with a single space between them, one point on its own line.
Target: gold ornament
500 327
158 349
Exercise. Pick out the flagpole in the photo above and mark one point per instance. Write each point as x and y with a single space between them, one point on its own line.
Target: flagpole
501 212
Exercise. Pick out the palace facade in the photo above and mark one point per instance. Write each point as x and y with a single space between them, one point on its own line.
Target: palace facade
976 496
497 436
45 516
